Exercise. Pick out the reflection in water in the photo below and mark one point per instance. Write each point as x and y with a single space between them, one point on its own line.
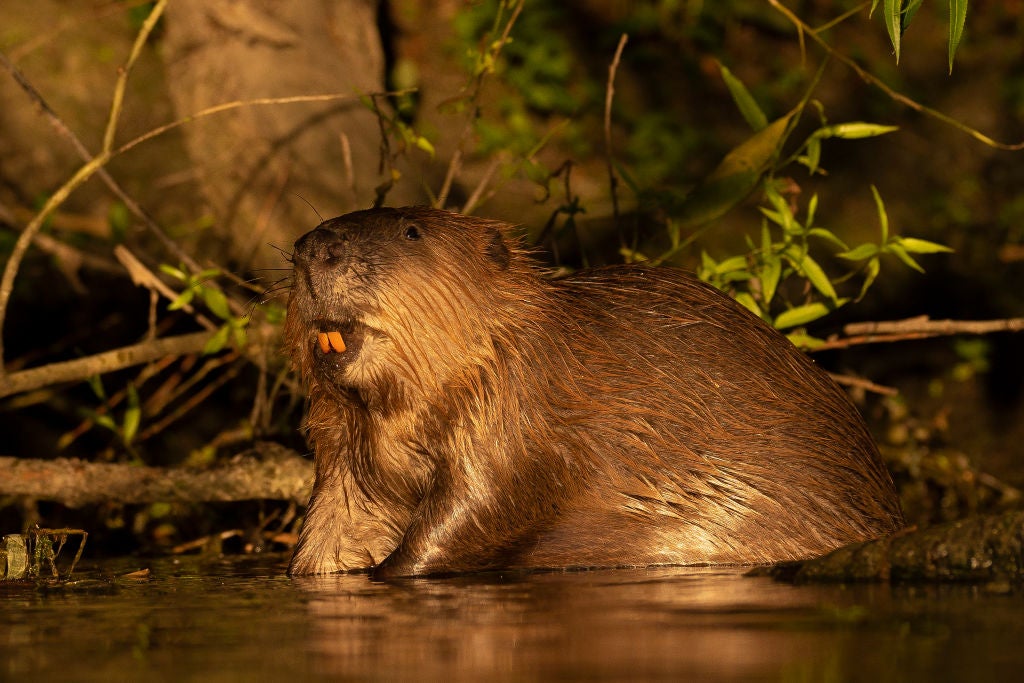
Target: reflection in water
615 624
235 621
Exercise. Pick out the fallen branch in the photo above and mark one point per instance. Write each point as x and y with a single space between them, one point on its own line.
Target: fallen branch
268 472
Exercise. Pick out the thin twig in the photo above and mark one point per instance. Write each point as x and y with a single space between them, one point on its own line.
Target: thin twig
95 166
125 71
613 180
193 401
455 163
346 159
454 166
861 383
58 124
386 167
481 187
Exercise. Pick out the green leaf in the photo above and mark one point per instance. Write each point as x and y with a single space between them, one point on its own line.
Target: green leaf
731 264
424 144
735 177
782 215
176 273
239 336
813 157
737 276
218 341
96 384
883 217
812 208
828 236
860 253
891 15
120 220
812 271
745 102
873 267
874 6
275 313
771 273
132 416
957 18
916 246
748 303
818 278
105 421
774 216
899 252
801 315
802 340
854 130
182 300
217 302
707 262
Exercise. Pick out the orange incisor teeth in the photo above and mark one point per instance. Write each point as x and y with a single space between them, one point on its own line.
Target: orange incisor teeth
325 344
337 343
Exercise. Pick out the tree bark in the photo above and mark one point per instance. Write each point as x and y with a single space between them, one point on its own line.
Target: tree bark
258 167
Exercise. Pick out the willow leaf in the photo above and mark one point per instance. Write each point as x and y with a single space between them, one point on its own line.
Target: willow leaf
957 17
892 16
752 113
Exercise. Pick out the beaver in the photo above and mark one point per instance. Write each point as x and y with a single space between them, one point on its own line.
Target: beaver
468 412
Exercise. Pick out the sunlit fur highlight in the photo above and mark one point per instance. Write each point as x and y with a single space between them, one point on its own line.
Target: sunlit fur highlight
625 416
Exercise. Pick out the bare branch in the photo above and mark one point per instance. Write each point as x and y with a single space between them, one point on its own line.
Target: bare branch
108 361
915 328
935 327
865 384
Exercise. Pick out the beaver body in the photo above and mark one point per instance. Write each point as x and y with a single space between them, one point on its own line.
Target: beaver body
468 413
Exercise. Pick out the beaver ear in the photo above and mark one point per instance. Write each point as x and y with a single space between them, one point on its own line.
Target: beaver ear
497 250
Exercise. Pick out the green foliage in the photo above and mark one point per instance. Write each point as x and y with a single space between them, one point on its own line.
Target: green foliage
744 101
786 257
785 277
120 220
126 429
736 176
195 285
537 63
897 15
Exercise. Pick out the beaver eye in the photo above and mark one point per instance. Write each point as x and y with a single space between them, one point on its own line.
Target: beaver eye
412 233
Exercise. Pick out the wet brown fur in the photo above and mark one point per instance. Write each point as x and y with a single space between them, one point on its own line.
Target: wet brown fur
486 416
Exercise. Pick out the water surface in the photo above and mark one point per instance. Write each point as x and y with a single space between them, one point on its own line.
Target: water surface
243 620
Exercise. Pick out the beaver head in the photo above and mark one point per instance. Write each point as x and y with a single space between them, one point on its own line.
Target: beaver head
398 298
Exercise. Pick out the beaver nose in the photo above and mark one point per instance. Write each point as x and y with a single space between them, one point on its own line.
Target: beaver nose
320 244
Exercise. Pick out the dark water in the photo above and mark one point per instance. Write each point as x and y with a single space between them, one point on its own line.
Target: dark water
245 621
